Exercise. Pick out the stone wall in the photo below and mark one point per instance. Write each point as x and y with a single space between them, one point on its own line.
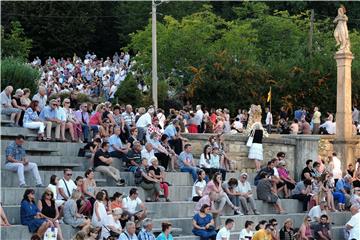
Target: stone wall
238 152
326 148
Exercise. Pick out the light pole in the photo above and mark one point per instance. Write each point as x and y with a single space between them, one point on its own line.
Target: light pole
154 56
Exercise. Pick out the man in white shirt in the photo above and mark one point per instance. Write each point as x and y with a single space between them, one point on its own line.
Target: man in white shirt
224 233
66 185
129 233
248 232
199 115
131 203
316 212
328 127
268 120
353 225
143 122
148 152
246 195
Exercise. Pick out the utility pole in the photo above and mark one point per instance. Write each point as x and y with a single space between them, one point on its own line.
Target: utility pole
154 56
311 32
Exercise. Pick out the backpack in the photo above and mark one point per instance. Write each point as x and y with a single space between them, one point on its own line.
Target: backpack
138 176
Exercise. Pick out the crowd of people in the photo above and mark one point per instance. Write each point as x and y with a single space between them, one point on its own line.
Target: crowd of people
148 143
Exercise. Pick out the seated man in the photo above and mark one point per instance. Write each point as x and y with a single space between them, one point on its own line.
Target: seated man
146 231
102 161
175 139
186 162
342 192
7 108
16 161
66 185
317 211
322 228
246 195
148 153
302 192
50 117
134 157
131 204
117 148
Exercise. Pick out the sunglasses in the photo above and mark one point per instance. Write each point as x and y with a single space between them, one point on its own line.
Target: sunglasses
49 194
275 224
67 102
272 229
69 174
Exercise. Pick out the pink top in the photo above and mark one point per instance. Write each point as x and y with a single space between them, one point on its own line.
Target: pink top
211 187
283 172
94 119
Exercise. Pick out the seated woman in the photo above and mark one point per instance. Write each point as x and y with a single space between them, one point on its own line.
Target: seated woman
89 186
288 180
165 232
287 231
199 186
31 216
203 224
48 208
266 192
155 172
173 156
215 162
205 161
116 201
161 153
91 148
16 103
71 215
84 205
96 121
326 193
150 184
31 120
305 232
4 222
72 122
112 223
215 186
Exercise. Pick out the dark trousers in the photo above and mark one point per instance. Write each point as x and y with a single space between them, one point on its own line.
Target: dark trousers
176 144
303 198
163 159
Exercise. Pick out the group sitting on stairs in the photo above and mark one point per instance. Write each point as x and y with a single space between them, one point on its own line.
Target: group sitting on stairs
148 145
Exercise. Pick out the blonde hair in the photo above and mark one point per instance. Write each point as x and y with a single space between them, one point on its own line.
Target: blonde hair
99 107
76 194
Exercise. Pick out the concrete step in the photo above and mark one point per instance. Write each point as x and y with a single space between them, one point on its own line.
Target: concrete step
47 148
11 132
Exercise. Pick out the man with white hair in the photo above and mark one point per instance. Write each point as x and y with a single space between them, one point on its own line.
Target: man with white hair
353 225
199 115
146 231
129 233
143 123
7 108
41 97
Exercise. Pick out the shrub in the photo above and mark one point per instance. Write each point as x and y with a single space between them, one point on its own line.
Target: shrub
18 74
128 92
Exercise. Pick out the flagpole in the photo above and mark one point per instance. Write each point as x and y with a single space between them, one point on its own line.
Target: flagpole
270 98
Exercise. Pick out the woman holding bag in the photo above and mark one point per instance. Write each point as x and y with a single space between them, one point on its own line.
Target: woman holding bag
257 133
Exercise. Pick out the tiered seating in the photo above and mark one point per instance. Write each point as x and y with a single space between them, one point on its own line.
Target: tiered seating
53 157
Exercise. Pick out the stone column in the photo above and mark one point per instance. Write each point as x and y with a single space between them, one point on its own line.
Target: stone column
343 144
343 95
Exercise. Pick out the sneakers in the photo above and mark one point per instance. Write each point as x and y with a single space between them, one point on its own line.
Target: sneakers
120 183
256 212
24 185
39 185
238 211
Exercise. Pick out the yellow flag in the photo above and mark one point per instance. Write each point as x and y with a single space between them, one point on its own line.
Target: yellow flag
269 95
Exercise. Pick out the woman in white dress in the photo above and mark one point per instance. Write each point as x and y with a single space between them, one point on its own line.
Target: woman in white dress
256 149
99 216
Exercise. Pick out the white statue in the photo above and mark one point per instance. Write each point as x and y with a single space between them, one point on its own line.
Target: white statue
341 33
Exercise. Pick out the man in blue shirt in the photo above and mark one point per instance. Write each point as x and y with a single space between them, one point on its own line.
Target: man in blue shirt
342 191
117 148
146 232
175 139
186 162
50 117
16 161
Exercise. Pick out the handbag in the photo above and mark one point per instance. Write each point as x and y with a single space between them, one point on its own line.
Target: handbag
250 139
112 233
51 233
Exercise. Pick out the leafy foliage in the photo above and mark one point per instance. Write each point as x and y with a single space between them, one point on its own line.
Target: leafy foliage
223 63
15 44
18 74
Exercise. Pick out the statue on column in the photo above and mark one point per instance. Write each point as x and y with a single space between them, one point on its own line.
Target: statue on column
341 32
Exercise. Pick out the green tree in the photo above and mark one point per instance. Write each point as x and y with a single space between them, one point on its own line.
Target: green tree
14 43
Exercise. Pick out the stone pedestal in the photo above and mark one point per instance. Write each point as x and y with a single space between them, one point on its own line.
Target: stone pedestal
345 150
343 95
343 144
307 147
